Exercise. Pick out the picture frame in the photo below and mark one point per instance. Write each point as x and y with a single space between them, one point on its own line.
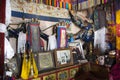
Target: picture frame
73 72
63 57
45 60
63 75
50 77
77 51
61 37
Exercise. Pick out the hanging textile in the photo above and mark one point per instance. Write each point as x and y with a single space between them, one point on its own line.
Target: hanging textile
118 29
52 43
118 17
60 4
21 42
25 68
34 36
32 66
99 18
100 40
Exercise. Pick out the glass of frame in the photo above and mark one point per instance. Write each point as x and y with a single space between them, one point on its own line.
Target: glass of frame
63 57
61 37
77 52
45 60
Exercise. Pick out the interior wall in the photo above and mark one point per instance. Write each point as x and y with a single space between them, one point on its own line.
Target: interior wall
47 16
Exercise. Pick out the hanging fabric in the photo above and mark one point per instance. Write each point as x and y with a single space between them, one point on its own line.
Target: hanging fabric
118 29
53 2
70 6
67 5
52 43
32 66
21 42
34 36
25 68
118 17
60 4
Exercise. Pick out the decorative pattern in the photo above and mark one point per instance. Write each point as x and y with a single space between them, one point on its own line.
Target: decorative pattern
73 72
50 77
63 75
38 9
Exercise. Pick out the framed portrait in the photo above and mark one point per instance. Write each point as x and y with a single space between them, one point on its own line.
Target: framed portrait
50 77
63 75
77 51
73 72
61 37
63 57
45 60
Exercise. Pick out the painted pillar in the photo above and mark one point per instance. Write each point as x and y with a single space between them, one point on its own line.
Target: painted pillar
2 11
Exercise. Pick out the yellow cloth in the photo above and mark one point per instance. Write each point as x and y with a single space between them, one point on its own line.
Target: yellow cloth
70 6
24 72
60 4
34 67
118 43
118 17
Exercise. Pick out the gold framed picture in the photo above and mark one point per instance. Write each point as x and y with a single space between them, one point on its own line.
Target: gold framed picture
50 77
45 60
63 57
73 72
63 75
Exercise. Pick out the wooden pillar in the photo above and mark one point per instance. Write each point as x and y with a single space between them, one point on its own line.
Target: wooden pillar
2 11
1 55
2 20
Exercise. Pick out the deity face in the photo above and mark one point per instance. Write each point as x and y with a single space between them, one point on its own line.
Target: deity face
101 60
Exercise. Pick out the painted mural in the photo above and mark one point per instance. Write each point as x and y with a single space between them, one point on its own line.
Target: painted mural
38 9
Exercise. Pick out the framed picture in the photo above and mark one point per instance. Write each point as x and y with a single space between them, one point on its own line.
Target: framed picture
63 57
77 51
45 60
61 37
73 72
63 75
50 77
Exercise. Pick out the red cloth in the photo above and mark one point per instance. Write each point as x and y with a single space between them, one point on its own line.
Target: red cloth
115 72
